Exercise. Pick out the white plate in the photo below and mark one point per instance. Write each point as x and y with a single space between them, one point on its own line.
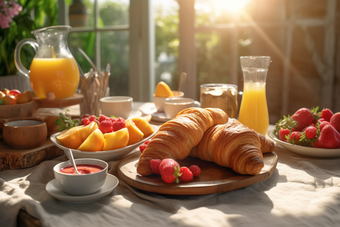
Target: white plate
150 109
54 190
308 151
103 155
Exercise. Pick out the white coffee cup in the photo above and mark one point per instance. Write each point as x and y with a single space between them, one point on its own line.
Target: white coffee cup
119 106
174 105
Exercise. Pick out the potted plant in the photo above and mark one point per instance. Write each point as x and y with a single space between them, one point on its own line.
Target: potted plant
17 20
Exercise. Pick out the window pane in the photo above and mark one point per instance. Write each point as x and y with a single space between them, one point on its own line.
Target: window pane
85 41
167 42
81 13
114 49
113 12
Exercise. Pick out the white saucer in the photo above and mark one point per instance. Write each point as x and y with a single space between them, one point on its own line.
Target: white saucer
53 189
150 109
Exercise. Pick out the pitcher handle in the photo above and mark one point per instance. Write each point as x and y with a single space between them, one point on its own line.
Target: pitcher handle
17 50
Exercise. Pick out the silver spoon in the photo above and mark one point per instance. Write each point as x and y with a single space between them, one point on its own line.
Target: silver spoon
182 78
69 155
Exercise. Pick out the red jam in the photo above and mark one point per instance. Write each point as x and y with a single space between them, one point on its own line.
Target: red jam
82 169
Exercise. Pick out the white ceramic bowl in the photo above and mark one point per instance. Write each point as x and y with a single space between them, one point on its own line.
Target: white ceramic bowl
159 101
109 155
173 105
83 184
119 106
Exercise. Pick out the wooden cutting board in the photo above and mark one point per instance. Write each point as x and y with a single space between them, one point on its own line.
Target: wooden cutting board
213 178
24 158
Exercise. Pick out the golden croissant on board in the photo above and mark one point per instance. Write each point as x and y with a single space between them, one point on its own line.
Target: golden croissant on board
235 146
175 138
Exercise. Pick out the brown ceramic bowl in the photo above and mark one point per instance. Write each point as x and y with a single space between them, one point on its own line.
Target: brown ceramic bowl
24 133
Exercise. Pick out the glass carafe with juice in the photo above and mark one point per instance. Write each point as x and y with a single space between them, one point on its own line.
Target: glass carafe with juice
254 110
53 68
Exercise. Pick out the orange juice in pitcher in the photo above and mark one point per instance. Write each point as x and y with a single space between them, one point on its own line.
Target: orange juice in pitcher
53 68
57 75
254 110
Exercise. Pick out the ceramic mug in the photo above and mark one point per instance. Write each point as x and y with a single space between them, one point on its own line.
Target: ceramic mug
118 106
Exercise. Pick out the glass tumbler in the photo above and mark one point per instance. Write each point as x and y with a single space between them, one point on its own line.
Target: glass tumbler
223 96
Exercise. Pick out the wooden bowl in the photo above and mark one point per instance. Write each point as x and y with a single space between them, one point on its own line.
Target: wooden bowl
17 110
23 134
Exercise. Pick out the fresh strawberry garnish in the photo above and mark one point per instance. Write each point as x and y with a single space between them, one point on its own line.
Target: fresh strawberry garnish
304 117
283 133
311 132
335 121
322 124
329 138
142 147
185 174
310 135
294 138
169 170
298 121
326 114
105 126
196 171
148 141
154 164
118 124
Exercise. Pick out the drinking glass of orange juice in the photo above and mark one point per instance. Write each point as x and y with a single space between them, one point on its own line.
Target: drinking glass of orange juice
254 110
53 68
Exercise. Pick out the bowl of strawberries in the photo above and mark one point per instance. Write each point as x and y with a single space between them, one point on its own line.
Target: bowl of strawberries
309 132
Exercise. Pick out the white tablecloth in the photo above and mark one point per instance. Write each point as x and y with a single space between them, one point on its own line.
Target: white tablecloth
302 191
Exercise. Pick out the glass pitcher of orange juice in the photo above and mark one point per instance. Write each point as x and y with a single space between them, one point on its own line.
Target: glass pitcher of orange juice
53 68
254 110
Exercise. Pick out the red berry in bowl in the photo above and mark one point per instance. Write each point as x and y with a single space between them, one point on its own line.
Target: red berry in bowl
118 124
105 126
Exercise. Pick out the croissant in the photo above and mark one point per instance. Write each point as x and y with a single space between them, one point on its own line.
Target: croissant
232 145
175 138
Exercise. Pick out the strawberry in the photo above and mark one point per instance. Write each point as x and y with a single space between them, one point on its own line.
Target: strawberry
311 132
118 124
185 174
298 121
142 147
304 117
169 170
326 114
335 121
329 138
148 141
154 164
294 138
196 171
105 126
283 133
322 124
